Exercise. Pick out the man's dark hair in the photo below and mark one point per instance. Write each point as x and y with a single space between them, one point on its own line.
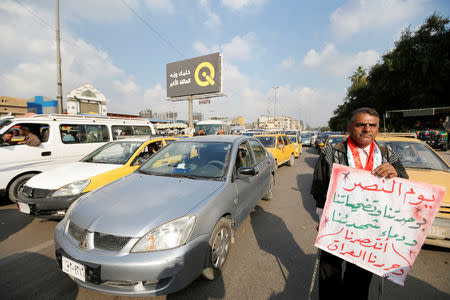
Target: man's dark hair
25 128
363 110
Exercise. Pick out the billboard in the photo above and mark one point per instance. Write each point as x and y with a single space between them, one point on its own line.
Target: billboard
195 76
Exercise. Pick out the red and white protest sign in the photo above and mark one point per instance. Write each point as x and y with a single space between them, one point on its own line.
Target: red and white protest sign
376 223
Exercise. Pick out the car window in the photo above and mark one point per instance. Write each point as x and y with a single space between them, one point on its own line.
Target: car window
293 139
190 159
118 152
286 140
244 156
83 133
280 141
258 150
267 141
416 155
13 137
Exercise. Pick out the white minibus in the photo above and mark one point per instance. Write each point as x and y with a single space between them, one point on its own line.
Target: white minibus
64 138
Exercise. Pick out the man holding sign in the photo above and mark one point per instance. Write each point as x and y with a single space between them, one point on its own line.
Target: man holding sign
362 152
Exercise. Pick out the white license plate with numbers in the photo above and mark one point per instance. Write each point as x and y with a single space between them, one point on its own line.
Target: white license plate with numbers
23 207
73 268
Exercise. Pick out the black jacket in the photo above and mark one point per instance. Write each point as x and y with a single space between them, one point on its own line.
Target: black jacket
338 154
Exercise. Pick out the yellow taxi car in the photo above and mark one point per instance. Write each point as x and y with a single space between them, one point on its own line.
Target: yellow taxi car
331 139
298 146
50 193
423 164
280 146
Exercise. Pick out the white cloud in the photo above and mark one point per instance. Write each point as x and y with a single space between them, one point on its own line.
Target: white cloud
213 21
161 6
362 15
330 60
287 62
243 4
239 48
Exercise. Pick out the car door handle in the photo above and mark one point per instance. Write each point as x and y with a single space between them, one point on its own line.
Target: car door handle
46 153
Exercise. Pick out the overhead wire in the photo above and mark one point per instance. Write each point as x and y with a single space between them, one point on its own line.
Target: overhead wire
152 28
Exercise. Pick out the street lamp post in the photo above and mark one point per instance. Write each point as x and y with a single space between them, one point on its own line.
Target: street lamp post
275 106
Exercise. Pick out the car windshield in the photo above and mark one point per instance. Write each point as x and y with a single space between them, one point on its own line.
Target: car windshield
210 129
335 139
196 160
293 139
267 141
290 132
416 155
306 135
249 133
117 152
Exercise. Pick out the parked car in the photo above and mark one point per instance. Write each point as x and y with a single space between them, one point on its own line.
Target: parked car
298 146
423 164
50 193
280 146
156 230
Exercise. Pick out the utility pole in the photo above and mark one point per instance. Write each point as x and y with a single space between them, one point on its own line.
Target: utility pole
275 106
58 63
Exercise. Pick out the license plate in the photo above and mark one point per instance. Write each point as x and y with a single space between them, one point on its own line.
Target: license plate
23 207
73 268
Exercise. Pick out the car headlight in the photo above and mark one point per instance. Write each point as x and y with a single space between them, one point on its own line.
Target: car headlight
167 236
73 188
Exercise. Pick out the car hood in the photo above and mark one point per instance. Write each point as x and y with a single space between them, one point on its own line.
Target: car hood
137 203
435 177
67 173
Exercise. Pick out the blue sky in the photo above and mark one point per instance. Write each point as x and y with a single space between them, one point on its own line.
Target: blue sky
307 48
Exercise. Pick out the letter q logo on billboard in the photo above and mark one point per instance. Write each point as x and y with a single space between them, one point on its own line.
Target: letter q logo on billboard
196 76
208 78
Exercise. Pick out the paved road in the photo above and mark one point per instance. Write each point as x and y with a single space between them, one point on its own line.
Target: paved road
273 257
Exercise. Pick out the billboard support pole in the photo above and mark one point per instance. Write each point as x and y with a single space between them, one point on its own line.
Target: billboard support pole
190 110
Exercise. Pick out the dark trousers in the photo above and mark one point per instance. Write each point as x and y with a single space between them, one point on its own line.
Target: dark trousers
354 285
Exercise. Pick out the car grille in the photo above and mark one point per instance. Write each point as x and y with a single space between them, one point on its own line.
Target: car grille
36 193
102 241
76 231
109 242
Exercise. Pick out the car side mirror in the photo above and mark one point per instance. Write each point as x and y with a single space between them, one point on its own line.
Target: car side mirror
247 171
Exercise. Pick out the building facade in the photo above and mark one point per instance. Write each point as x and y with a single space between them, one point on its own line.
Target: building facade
86 99
281 123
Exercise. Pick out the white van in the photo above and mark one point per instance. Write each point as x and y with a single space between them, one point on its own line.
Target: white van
64 138
211 127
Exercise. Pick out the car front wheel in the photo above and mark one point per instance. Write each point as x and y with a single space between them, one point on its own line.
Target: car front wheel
219 246
17 185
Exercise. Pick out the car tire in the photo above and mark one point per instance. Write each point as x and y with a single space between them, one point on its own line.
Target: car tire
291 160
16 185
269 194
444 147
219 247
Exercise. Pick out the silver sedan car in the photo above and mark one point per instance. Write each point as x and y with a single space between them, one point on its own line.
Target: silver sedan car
156 230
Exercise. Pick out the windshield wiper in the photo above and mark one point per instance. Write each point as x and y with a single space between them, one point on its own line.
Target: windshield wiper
181 175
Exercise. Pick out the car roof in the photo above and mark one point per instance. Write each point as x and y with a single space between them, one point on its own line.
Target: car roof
270 134
225 138
397 138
